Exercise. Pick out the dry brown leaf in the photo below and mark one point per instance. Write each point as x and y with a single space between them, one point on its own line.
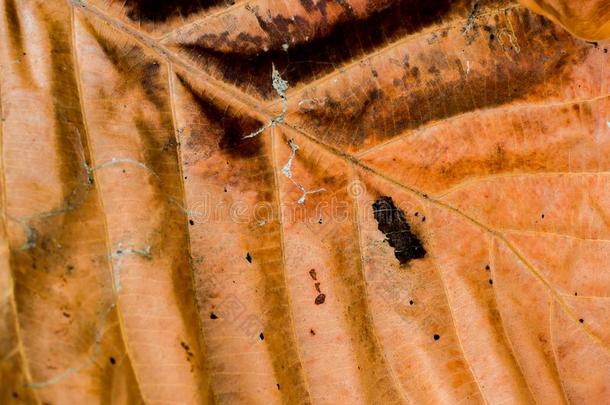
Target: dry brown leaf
393 201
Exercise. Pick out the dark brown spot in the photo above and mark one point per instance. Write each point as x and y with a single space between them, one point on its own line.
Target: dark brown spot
320 299
391 221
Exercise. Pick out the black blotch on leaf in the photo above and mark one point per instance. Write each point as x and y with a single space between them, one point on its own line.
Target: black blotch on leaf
248 257
162 10
213 315
391 221
320 299
312 332
437 337
581 320
261 336
112 360
191 222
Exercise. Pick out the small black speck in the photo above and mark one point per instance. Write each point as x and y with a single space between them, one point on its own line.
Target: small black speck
225 189
492 36
213 315
437 337
605 50
119 252
487 267
491 282
411 302
416 214
112 360
261 336
67 315
312 332
123 170
278 386
320 221
423 219
15 395
542 216
248 257
575 294
191 222
581 320
185 177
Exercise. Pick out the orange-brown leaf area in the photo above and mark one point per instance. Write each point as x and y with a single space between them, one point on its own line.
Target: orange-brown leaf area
306 201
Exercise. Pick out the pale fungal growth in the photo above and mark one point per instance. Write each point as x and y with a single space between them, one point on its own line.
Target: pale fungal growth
286 170
280 85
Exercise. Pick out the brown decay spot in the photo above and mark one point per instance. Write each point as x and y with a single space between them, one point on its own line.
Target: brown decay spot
391 221
248 66
317 285
227 127
422 100
187 349
312 332
320 299
313 275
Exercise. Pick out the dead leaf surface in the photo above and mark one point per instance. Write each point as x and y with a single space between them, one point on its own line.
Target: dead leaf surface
384 201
